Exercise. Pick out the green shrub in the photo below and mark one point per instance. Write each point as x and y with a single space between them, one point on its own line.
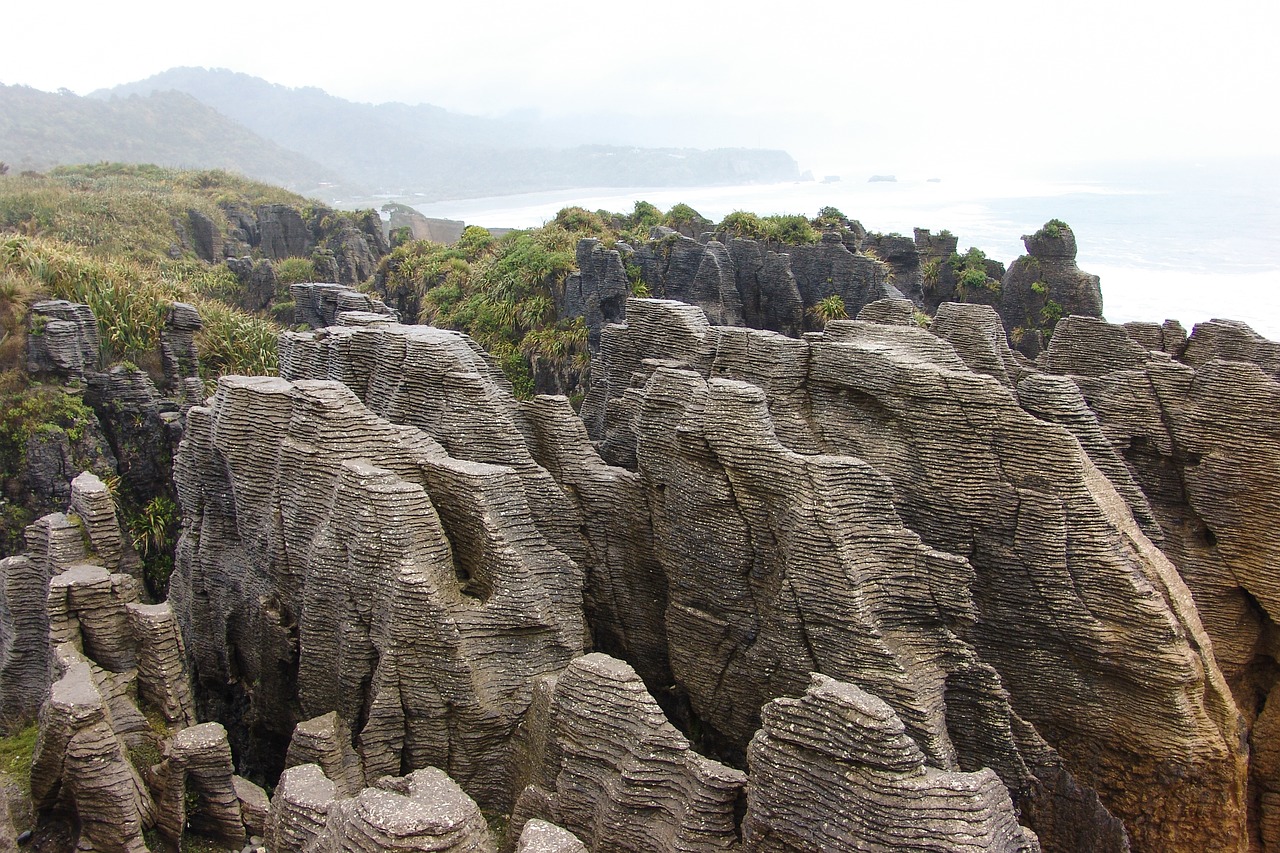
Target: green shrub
1054 228
154 532
741 223
829 217
791 229
295 271
829 308
580 221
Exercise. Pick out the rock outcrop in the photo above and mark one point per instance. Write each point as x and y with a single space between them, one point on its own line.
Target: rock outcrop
81 767
423 811
836 770
333 561
995 488
738 282
318 305
604 763
1200 440
1045 284
62 340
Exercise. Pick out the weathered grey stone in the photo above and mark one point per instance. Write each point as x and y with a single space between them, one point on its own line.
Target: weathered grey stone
318 305
299 809
1045 277
538 836
424 811
326 741
80 768
603 762
62 339
836 770
163 680
368 574
970 473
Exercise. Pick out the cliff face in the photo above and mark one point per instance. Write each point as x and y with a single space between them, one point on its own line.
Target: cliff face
970 473
878 587
1198 437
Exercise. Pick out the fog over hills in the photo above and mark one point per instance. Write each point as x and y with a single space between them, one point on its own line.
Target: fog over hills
425 152
39 130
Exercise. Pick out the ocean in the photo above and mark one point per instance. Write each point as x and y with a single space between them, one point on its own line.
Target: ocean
1189 242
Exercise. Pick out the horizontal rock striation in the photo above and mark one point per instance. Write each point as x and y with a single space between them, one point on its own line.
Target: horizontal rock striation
601 761
62 340
318 305
1199 436
1089 627
836 770
334 561
736 282
80 767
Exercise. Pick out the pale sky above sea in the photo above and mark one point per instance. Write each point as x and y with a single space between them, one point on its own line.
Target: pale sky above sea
937 87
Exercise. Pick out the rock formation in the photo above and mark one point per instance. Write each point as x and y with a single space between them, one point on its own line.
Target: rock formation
604 763
738 282
423 811
836 770
1045 284
899 399
538 836
333 561
318 305
1198 437
62 340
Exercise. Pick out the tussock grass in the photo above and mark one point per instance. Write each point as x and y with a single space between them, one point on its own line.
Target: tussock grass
115 210
130 300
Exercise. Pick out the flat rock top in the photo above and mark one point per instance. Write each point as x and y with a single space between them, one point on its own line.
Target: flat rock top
307 786
203 735
81 574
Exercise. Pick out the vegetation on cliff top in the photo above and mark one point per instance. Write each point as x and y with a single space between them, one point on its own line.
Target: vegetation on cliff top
121 211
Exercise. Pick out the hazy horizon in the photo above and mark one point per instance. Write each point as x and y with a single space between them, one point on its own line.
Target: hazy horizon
942 89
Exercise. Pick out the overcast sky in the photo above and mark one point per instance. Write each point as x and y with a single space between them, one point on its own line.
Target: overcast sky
921 85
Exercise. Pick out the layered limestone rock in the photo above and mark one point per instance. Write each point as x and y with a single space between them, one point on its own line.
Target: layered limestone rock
1200 439
200 788
318 305
326 742
91 502
425 810
299 808
178 354
837 770
538 836
80 768
970 472
601 761
736 282
62 339
163 682
598 291
1045 284
282 232
334 561
54 542
143 427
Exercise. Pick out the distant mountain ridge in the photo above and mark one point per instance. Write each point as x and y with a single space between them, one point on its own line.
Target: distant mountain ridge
39 130
429 153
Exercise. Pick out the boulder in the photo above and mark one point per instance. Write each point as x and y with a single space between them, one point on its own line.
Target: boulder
836 770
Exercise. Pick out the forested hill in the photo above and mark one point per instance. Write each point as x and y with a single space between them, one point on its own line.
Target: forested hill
430 153
39 130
